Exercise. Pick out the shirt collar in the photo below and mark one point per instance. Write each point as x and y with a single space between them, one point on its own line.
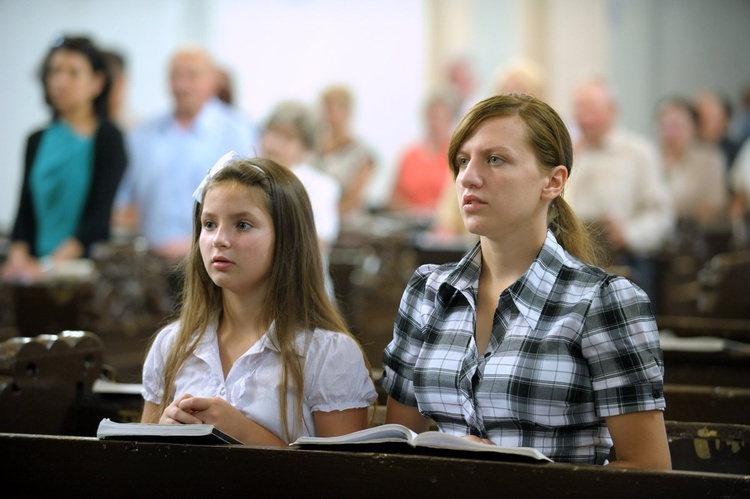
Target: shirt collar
265 342
530 292
206 119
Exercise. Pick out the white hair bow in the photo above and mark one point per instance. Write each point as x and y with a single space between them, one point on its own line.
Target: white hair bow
221 163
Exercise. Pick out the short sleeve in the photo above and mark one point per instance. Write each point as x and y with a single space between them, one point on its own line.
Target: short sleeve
401 354
336 375
153 367
621 346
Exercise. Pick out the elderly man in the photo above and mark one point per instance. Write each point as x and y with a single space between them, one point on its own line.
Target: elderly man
170 154
618 184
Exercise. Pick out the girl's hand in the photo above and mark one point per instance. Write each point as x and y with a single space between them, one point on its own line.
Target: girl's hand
174 414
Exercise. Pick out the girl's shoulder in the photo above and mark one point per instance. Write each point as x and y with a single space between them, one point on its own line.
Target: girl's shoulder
325 343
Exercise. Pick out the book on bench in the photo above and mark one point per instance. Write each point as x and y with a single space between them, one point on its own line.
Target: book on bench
199 434
395 436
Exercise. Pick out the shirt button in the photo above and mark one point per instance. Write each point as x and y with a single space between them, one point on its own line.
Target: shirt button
656 394
222 391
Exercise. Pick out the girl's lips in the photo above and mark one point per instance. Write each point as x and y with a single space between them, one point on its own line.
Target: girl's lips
221 263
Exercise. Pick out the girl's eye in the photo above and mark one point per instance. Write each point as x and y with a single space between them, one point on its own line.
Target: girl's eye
243 225
496 160
208 224
462 162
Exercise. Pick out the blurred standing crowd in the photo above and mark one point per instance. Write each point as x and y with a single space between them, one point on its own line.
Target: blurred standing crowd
94 172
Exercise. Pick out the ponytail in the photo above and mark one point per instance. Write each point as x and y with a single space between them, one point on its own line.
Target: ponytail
572 235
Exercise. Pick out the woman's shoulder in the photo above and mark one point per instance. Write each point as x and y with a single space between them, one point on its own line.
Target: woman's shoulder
109 129
609 285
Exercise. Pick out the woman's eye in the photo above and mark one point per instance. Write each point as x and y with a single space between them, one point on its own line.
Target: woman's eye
496 160
462 162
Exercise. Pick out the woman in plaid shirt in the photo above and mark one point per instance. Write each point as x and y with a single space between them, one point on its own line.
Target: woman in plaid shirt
525 341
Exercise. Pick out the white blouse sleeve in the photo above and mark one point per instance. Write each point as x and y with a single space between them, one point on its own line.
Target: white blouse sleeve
336 376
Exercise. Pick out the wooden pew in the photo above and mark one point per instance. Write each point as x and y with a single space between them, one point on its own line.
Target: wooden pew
43 378
725 368
46 465
709 447
691 326
710 404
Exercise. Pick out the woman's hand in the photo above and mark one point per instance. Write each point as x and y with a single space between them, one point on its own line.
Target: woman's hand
22 267
474 438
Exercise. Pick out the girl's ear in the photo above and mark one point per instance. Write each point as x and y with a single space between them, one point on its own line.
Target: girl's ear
557 177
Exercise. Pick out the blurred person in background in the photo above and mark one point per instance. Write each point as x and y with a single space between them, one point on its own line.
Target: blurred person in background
620 186
714 111
422 172
340 153
72 166
170 153
696 171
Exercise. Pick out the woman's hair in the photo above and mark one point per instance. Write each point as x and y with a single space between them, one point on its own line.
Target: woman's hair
340 94
549 139
680 102
297 298
295 115
98 62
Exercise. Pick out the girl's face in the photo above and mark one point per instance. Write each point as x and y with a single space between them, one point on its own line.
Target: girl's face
500 185
72 84
237 237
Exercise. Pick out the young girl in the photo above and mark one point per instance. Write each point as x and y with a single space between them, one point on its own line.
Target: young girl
258 350
523 343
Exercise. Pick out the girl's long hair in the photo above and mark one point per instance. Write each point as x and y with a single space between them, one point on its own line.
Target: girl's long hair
297 298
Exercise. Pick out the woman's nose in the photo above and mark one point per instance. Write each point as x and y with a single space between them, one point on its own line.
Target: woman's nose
468 175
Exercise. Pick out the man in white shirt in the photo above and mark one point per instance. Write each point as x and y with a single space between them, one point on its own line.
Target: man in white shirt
169 155
618 184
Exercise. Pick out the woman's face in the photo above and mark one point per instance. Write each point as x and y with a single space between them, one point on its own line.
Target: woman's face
283 144
237 238
676 127
500 185
72 84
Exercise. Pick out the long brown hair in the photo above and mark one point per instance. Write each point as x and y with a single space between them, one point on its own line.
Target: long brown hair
297 298
549 139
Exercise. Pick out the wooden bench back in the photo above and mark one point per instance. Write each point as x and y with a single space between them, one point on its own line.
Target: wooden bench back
42 378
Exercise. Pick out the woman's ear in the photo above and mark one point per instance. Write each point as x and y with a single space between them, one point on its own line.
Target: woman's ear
97 84
557 177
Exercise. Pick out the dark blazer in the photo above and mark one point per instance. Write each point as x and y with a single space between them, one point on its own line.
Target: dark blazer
110 160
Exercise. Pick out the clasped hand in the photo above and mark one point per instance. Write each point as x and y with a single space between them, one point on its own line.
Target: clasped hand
196 410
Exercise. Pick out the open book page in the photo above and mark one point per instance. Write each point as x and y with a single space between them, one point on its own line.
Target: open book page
155 432
439 440
390 432
374 435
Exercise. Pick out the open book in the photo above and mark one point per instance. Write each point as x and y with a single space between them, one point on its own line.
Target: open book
398 434
201 434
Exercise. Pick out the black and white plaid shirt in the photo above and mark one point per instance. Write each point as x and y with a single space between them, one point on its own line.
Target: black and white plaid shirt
571 345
